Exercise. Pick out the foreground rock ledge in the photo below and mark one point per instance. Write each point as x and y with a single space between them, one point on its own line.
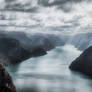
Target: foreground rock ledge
6 84
83 63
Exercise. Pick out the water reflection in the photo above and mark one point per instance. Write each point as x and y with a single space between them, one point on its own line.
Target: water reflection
56 84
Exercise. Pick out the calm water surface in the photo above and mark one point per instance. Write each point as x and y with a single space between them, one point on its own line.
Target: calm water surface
50 73
63 24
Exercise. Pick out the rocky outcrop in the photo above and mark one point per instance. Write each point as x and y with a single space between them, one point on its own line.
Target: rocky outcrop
12 52
38 52
6 84
83 63
36 40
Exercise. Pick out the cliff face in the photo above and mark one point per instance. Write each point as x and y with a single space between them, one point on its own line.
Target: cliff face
6 84
11 51
83 63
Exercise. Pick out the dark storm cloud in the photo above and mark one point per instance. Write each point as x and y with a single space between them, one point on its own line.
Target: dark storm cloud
56 2
9 1
25 6
15 5
65 5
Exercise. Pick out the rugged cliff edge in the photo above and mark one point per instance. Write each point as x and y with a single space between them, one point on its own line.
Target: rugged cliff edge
83 63
6 84
12 52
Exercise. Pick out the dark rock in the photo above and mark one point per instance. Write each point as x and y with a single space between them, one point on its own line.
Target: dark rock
38 52
6 84
31 41
83 63
12 52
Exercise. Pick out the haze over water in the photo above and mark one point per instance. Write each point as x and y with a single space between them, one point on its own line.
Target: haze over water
63 24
